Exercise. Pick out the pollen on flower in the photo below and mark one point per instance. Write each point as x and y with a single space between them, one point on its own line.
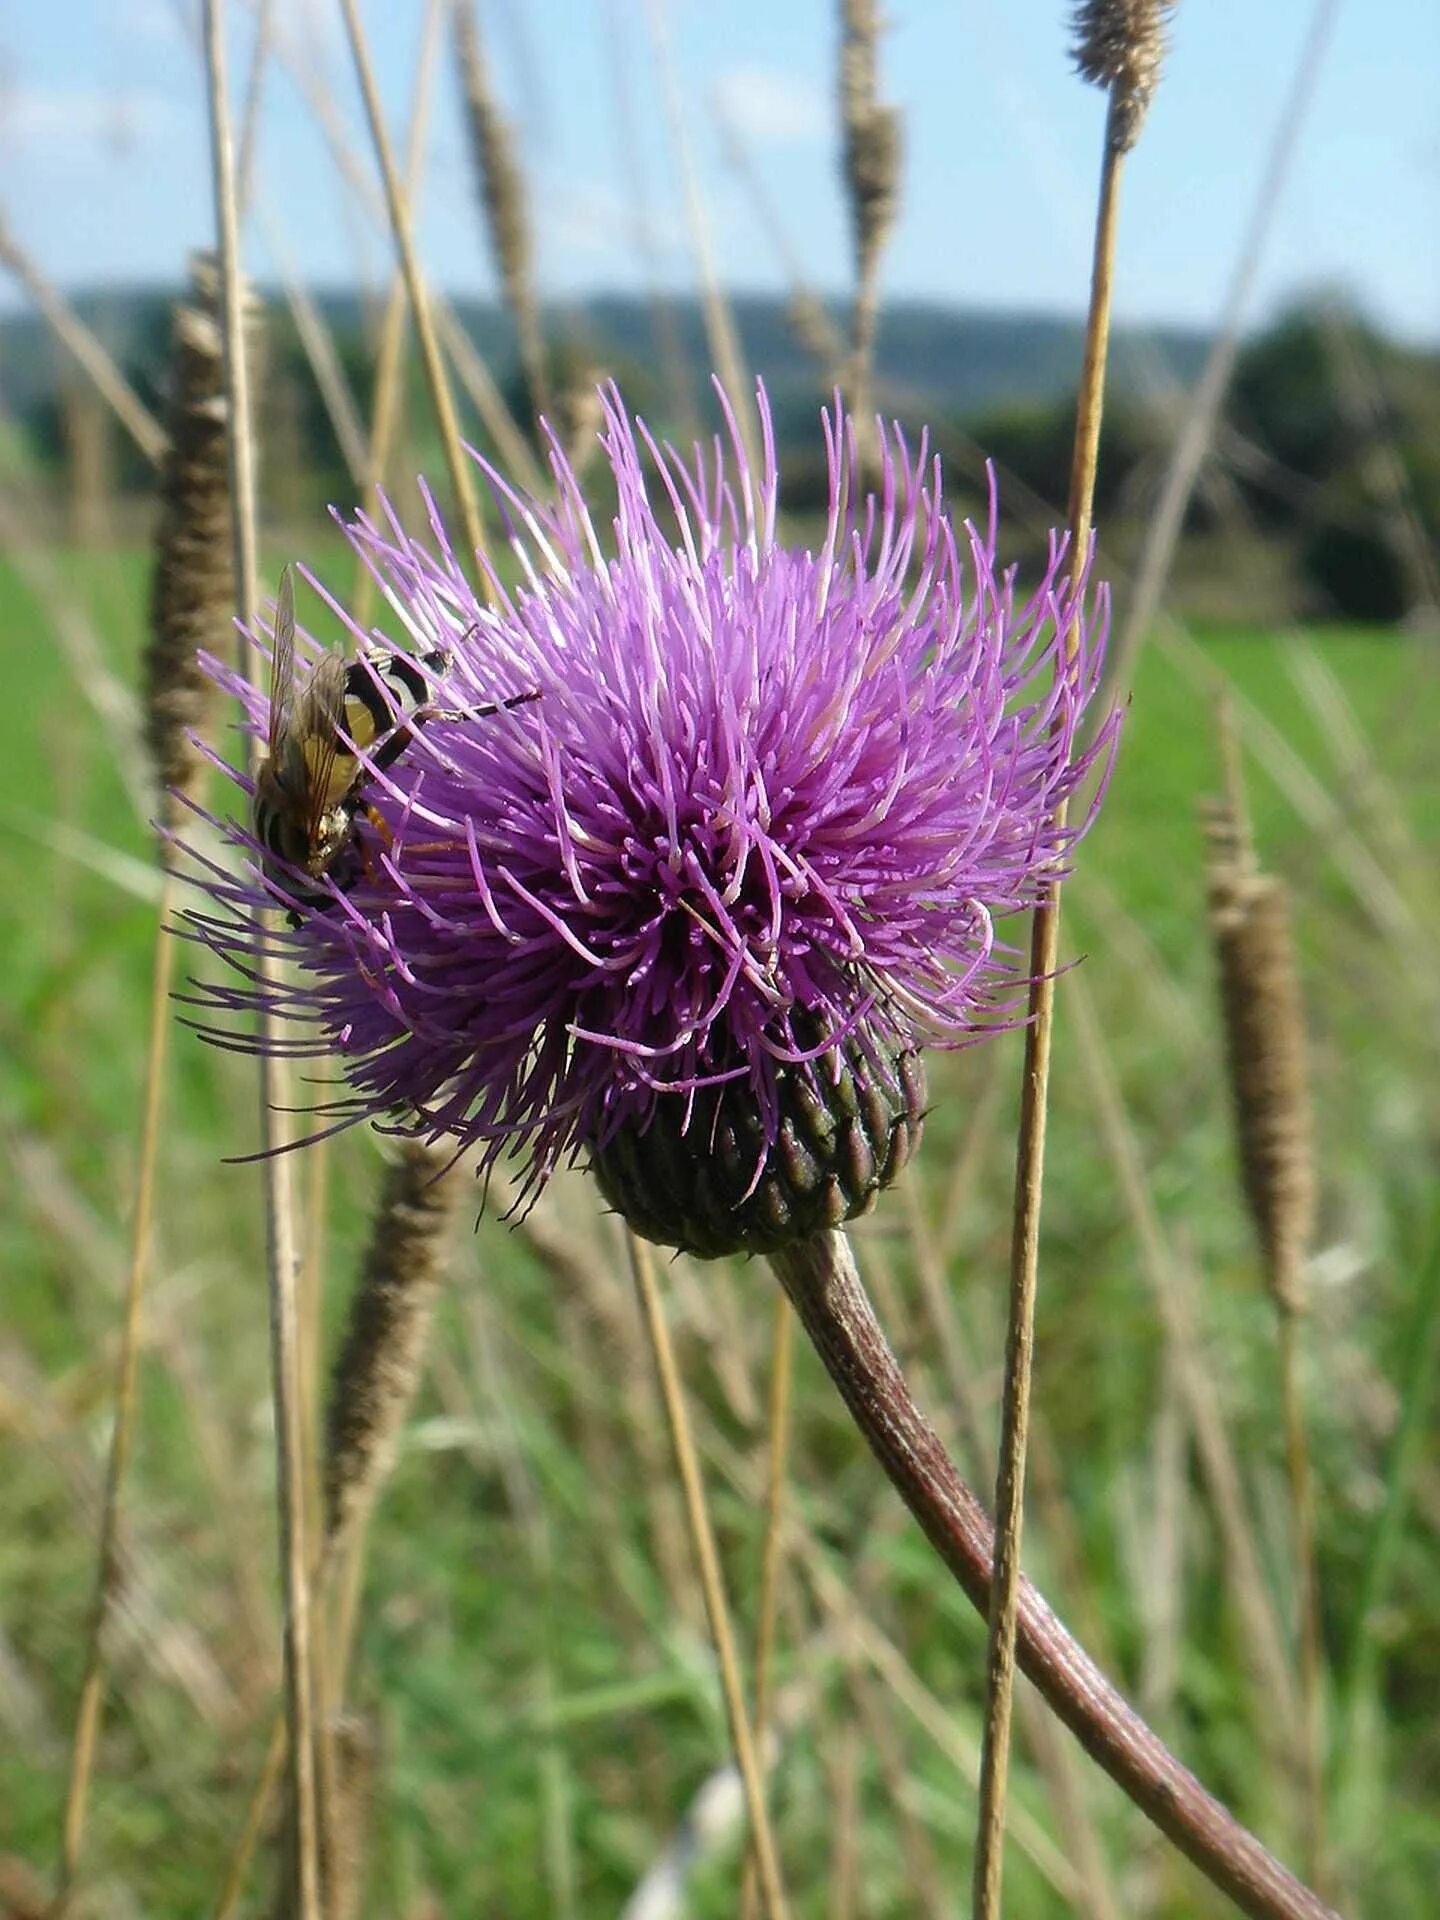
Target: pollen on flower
757 829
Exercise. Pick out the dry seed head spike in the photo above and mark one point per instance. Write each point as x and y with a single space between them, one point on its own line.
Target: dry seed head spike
871 158
1120 45
192 592
377 1368
356 1747
1265 1046
502 196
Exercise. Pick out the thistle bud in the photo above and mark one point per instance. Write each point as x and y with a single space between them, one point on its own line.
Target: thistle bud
711 1177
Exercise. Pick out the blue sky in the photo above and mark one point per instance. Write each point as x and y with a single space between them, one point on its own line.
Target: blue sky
102 149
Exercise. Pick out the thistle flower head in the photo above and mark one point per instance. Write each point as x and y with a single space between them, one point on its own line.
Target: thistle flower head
759 825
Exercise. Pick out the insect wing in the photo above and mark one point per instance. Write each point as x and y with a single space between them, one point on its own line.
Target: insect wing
319 718
282 666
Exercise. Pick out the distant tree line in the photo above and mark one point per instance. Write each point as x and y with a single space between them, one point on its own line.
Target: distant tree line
1329 444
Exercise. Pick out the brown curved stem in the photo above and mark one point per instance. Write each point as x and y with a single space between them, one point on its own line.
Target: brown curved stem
825 1289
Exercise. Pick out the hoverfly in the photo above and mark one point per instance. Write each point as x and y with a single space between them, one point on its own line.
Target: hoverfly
310 788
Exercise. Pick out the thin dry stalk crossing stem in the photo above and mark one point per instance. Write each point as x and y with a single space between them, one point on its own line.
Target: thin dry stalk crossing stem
107 1572
112 386
1198 427
720 332
782 1367
501 184
1030 1147
824 1287
871 167
1311 1655
462 478
390 356
1215 1451
279 1214
1266 1056
642 1267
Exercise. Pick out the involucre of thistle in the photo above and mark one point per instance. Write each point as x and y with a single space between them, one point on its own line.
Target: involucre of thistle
738 862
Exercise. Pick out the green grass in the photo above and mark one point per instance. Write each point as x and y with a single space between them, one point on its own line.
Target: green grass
511 1675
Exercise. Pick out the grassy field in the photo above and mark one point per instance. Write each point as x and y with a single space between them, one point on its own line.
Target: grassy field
532 1655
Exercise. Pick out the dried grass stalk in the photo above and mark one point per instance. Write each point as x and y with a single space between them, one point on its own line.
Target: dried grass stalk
1265 1054
579 414
870 162
502 197
816 332
1120 45
356 1751
378 1366
192 590
871 153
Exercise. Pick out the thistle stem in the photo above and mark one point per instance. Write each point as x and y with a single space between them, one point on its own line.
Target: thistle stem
107 1567
279 1214
642 1267
824 1287
1030 1148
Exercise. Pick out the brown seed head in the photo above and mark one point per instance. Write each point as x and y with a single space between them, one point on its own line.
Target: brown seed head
1120 45
871 157
356 1748
1265 1053
192 589
378 1366
501 185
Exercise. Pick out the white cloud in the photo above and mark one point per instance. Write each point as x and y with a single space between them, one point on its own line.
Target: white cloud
50 117
772 109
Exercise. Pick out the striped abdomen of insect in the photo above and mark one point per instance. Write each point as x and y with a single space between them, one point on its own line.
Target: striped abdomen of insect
308 789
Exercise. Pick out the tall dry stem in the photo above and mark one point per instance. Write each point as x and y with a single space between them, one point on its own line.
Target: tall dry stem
782 1350
281 1265
1264 1025
108 1573
1118 46
192 599
501 183
462 478
1198 426
373 1381
870 166
721 335
390 354
79 340
687 1464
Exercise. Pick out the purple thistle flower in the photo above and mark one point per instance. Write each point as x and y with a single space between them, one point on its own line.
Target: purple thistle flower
767 808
